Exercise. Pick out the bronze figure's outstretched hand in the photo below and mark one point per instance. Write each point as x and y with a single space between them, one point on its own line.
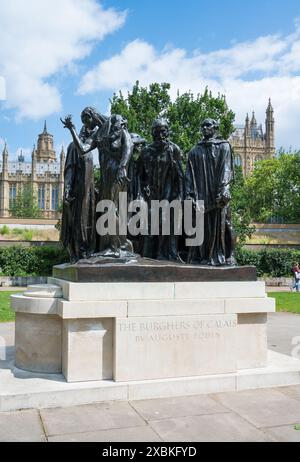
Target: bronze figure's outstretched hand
67 122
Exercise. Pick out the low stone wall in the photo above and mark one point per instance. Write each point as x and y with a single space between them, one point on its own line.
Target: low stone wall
21 281
8 243
277 282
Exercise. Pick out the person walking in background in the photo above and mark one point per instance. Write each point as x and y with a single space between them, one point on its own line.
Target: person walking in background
296 273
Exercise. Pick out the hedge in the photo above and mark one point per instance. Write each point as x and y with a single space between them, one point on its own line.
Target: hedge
38 261
269 262
30 261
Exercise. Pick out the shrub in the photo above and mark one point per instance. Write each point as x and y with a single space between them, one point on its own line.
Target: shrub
27 235
272 262
17 232
32 261
4 230
38 261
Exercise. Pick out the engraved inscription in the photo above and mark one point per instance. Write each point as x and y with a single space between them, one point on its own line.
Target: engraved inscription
176 331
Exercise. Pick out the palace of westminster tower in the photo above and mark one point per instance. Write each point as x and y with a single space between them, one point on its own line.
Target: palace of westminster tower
251 144
44 174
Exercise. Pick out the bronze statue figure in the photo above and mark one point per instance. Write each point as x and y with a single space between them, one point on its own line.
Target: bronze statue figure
110 136
78 216
161 177
210 171
115 151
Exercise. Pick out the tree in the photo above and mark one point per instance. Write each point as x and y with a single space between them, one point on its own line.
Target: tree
185 114
142 106
25 204
241 216
273 189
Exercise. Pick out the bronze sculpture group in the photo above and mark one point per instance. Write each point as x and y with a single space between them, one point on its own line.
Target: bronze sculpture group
152 172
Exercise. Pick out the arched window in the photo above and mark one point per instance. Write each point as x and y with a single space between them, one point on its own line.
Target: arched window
54 198
237 160
12 195
41 196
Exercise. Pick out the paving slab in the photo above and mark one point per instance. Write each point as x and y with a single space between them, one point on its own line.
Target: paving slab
7 331
24 426
133 434
282 328
155 409
263 408
79 419
285 434
292 391
227 427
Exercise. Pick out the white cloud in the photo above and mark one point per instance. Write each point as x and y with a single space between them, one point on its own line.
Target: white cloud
41 38
248 73
2 88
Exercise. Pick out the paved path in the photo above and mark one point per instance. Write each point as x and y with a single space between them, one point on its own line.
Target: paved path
254 415
282 329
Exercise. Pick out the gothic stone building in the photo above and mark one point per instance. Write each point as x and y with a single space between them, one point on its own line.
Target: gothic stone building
43 173
251 144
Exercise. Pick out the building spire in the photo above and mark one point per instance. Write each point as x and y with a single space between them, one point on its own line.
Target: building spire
247 125
270 125
5 151
270 109
21 156
33 154
253 123
45 128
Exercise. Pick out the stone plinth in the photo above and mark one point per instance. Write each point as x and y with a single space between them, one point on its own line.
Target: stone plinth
38 342
143 331
174 346
146 270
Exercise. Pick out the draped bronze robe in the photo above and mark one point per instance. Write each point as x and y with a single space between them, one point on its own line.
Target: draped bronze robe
78 217
208 175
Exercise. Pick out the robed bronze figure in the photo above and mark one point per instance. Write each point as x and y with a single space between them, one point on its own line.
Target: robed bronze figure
115 146
115 151
209 173
78 215
161 178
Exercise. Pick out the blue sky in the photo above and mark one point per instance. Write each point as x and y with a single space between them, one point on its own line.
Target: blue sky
58 56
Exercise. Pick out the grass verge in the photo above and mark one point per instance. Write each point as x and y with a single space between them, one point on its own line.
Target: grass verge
6 314
286 301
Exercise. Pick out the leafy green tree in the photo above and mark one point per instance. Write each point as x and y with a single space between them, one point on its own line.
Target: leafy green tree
273 189
241 216
185 114
25 204
142 106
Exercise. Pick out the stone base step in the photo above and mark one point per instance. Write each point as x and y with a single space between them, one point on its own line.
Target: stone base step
24 390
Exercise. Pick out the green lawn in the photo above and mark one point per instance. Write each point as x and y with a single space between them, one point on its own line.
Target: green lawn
286 301
6 314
